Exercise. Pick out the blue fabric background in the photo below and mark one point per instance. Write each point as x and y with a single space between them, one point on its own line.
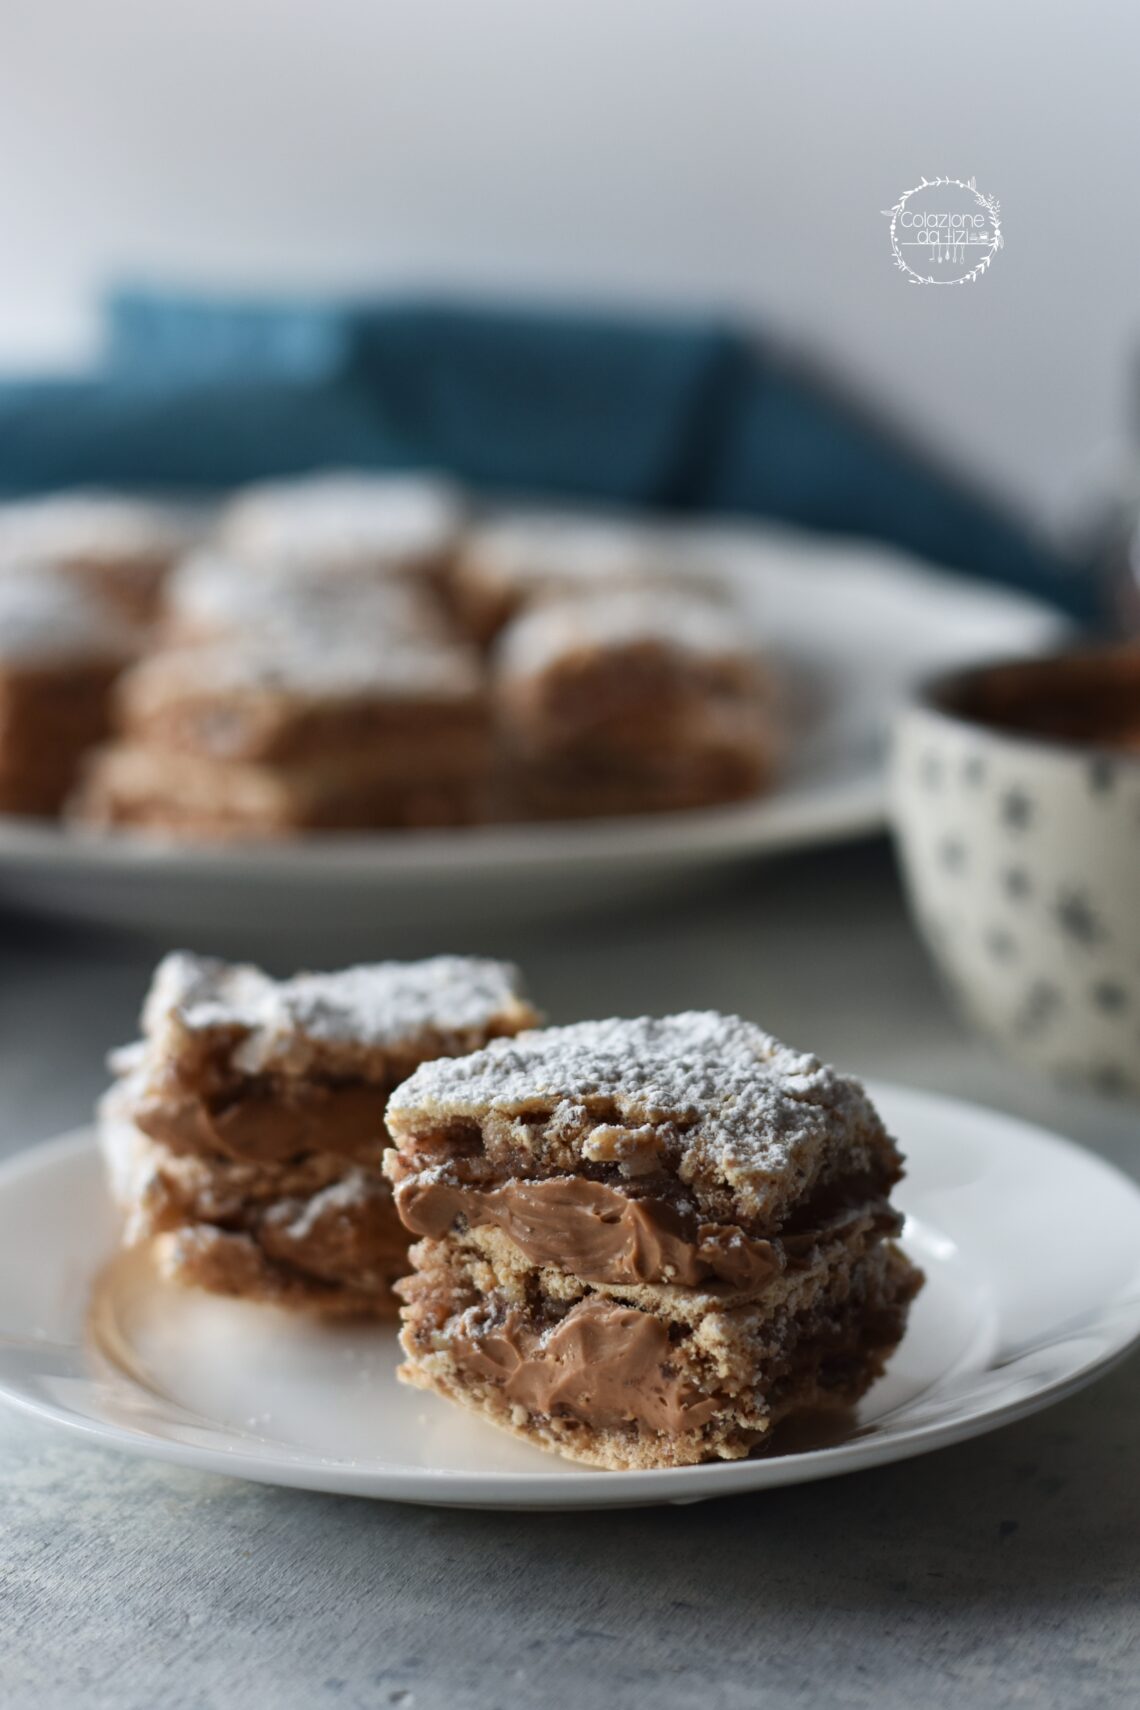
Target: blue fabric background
675 415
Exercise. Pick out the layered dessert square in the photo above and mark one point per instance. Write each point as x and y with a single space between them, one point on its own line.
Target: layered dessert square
632 701
309 727
645 1243
244 1133
60 652
517 560
118 549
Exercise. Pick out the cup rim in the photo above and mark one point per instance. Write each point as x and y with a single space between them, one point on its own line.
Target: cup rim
941 694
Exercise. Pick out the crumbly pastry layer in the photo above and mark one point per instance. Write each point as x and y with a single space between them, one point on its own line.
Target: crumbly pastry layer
310 1233
244 1133
645 1242
707 1102
380 1016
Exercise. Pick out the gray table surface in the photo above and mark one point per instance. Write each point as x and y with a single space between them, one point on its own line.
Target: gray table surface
1002 1572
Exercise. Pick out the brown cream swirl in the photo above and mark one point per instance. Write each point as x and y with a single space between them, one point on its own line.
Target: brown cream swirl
604 1363
594 1231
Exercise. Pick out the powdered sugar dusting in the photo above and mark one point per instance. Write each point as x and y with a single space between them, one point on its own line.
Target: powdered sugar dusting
684 622
733 1093
86 525
378 1005
319 658
213 594
45 617
337 520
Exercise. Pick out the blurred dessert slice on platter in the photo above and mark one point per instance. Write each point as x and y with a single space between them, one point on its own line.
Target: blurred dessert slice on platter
516 560
243 1135
116 548
312 726
645 1243
635 700
60 651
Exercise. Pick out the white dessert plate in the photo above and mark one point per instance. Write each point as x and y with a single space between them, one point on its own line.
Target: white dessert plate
851 626
1031 1249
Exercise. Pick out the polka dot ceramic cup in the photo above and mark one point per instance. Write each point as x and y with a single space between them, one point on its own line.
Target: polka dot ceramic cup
1016 806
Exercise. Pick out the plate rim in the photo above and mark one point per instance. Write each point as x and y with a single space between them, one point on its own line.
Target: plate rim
596 1488
853 806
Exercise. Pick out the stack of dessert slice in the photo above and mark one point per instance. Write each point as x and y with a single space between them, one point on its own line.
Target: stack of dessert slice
644 1243
244 1133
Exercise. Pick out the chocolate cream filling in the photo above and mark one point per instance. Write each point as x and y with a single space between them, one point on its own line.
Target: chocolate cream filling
605 1364
594 1231
273 1122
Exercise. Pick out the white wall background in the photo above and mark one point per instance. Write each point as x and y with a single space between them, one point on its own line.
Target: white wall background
735 153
